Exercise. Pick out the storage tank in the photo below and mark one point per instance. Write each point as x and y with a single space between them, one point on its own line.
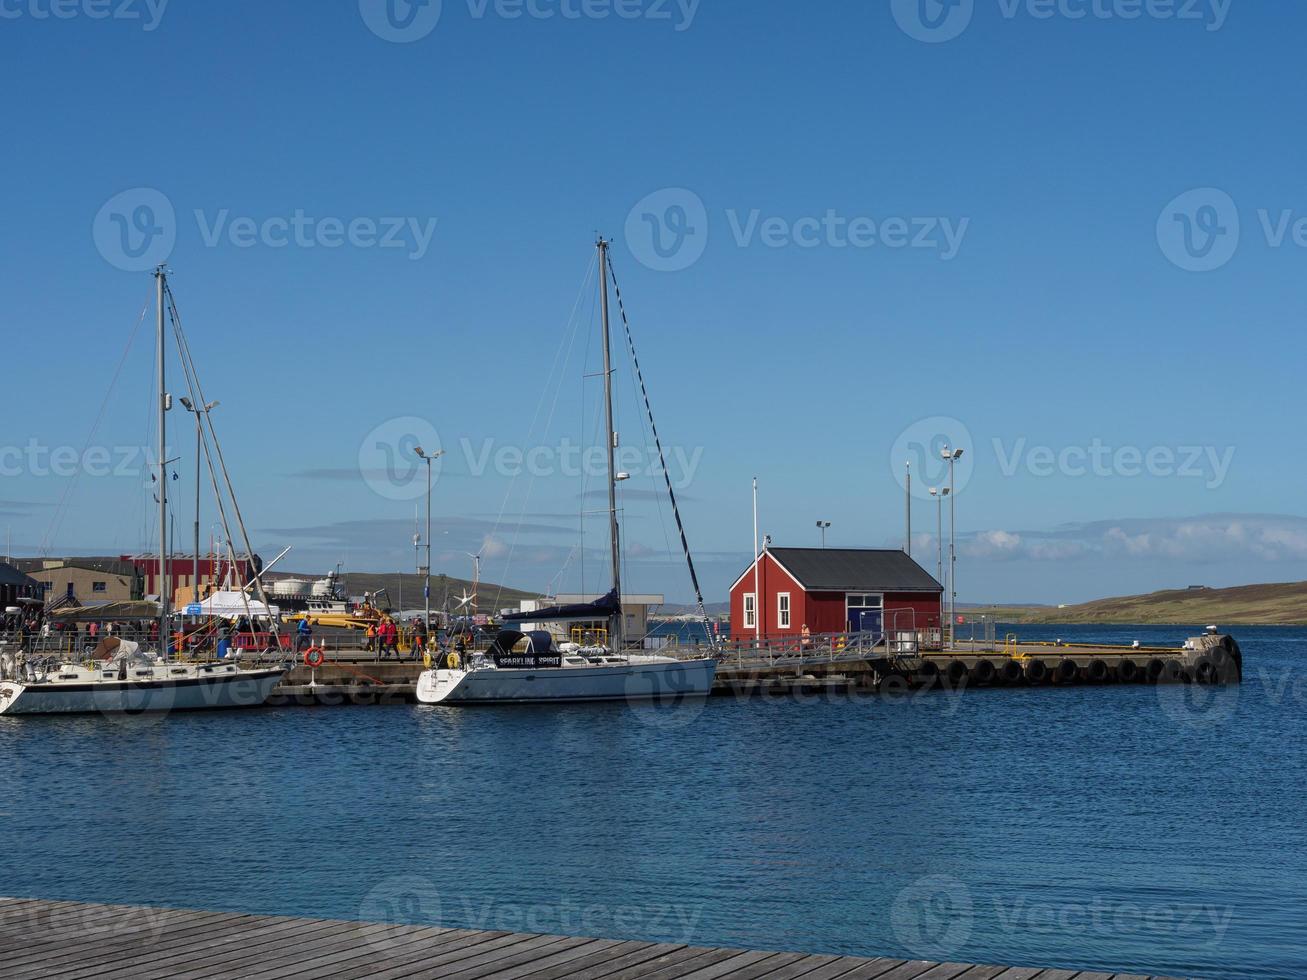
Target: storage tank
290 586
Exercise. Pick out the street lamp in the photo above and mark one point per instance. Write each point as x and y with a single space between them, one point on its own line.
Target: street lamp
822 526
951 456
428 459
939 495
476 580
197 412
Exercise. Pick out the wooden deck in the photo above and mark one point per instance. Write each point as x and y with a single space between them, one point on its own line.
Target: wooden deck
75 941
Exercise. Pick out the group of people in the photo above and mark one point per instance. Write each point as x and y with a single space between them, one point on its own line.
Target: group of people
383 637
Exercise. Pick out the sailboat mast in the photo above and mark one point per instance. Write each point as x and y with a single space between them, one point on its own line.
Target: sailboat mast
160 281
613 529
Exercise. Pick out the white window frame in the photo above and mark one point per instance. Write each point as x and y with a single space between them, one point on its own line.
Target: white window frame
783 607
750 610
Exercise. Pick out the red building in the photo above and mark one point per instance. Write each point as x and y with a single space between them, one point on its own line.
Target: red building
834 590
214 570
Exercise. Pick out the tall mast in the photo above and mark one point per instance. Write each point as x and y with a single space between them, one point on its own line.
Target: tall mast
160 278
613 530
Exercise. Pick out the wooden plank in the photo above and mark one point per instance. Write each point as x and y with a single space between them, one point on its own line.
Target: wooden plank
876 970
409 946
94 956
602 963
61 940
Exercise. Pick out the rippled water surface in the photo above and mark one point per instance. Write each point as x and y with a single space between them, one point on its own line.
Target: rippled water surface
1157 830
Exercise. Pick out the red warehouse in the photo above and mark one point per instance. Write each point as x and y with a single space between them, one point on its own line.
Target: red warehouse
834 590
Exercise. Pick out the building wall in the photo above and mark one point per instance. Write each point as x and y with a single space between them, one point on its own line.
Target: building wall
822 612
83 581
181 570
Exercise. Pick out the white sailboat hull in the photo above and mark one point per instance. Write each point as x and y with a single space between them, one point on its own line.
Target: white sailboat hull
197 691
636 681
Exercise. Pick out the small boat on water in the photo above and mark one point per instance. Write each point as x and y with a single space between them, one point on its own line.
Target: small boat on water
118 677
531 667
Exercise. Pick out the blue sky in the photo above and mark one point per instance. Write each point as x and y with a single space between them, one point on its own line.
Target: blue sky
874 235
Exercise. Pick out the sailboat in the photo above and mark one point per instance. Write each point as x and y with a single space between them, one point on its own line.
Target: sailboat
526 666
119 677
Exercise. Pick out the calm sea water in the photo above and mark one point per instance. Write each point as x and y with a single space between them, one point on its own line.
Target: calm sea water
1158 830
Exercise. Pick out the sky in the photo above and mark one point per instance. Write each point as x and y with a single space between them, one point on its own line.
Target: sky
1066 236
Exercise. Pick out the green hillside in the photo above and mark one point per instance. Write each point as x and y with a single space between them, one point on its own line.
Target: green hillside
1246 605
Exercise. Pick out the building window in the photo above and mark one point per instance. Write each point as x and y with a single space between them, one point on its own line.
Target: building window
783 610
866 601
99 587
750 611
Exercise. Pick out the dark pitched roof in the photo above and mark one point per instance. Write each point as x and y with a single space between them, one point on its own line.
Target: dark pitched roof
12 576
851 569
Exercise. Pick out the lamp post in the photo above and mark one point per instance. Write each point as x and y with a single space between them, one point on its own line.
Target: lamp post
428 458
952 456
476 581
822 526
197 411
939 496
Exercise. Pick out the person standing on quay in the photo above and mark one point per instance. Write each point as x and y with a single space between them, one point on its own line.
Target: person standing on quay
419 639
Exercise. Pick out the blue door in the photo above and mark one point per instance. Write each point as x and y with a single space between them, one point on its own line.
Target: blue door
866 621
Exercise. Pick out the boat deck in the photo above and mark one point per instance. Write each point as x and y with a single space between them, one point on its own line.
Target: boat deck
70 940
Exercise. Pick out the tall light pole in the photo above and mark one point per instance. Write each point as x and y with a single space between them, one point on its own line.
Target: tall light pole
197 411
426 591
476 580
939 496
822 526
907 503
952 456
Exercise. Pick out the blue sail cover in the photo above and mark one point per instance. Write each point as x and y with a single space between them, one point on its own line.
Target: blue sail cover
605 608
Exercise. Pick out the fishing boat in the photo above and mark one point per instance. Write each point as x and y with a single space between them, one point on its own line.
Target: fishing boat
118 676
530 666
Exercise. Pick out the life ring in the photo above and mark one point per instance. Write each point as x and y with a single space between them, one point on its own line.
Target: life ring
453 662
426 660
314 657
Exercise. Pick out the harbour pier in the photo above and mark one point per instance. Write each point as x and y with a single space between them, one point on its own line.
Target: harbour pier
842 663
51 940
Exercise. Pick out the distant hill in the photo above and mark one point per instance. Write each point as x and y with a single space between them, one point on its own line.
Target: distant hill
408 585
1245 605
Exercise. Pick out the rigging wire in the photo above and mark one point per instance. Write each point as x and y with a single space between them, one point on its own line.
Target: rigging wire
562 357
662 459
61 512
